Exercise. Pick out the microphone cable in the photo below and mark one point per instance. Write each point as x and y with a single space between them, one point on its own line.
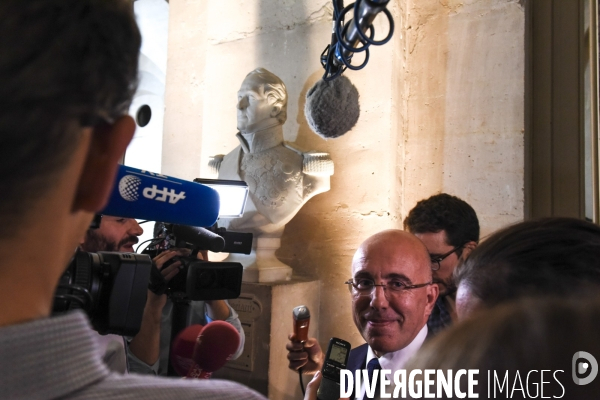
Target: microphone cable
333 50
301 383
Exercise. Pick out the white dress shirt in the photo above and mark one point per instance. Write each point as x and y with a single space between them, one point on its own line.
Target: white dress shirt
395 361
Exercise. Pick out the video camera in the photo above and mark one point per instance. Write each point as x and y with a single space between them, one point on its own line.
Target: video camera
110 287
199 279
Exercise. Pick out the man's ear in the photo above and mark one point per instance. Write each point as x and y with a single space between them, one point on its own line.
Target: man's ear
107 146
433 292
467 249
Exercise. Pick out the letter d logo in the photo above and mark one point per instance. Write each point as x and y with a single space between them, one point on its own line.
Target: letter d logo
580 368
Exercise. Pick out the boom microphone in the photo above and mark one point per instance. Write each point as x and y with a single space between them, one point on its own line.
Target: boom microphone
338 55
332 107
199 351
155 197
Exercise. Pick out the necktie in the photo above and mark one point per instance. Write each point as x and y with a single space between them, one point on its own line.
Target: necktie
372 366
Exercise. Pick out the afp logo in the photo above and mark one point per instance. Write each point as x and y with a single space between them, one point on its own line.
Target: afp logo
585 368
128 187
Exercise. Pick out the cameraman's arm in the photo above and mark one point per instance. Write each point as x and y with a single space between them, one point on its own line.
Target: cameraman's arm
217 310
212 310
145 346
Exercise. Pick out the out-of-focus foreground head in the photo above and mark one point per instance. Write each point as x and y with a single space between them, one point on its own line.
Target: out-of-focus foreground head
529 335
65 65
388 320
552 256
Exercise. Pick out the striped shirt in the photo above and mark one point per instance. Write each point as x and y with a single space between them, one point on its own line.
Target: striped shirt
58 357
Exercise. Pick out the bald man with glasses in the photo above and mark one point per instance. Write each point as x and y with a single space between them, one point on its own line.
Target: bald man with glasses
392 295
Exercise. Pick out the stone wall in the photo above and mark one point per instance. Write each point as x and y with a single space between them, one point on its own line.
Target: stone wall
464 119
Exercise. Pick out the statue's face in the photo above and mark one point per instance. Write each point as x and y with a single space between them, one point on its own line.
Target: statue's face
253 109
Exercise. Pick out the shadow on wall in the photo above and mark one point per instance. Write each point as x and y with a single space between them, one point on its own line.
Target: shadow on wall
307 239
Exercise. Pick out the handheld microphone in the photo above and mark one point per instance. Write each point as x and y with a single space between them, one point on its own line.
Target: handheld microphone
199 351
146 195
182 349
301 317
217 343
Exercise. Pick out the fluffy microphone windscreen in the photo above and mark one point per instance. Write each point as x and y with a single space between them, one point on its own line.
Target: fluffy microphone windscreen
182 349
217 342
332 107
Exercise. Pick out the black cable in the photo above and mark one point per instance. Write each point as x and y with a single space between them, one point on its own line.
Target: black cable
340 30
158 240
71 298
327 61
340 34
301 383
85 302
370 40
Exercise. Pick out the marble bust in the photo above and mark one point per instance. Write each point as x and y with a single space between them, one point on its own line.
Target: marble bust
280 177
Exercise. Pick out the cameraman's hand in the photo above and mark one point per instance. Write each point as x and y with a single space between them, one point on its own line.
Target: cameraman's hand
307 355
146 344
172 269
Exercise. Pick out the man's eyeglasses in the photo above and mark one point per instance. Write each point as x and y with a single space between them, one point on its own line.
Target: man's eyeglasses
365 287
436 260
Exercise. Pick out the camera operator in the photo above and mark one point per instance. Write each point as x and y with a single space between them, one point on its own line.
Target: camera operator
148 351
67 75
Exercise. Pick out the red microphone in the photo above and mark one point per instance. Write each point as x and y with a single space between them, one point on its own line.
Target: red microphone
199 351
182 349
301 322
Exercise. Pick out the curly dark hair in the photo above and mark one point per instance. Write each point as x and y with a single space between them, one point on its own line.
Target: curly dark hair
551 256
443 212
65 64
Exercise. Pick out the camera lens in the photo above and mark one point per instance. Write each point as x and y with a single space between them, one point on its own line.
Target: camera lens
206 279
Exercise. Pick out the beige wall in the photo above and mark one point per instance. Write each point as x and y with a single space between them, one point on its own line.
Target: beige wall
464 87
441 110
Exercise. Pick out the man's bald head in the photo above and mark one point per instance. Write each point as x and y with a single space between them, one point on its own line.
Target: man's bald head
390 320
395 244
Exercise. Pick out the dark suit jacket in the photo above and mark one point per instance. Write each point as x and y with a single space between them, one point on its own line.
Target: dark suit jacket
358 358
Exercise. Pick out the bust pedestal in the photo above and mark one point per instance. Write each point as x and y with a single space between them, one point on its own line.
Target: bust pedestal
265 311
261 265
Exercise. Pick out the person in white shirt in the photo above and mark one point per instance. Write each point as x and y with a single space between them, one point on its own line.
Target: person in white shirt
392 296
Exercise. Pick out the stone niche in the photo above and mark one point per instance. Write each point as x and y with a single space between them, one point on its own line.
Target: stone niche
265 310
